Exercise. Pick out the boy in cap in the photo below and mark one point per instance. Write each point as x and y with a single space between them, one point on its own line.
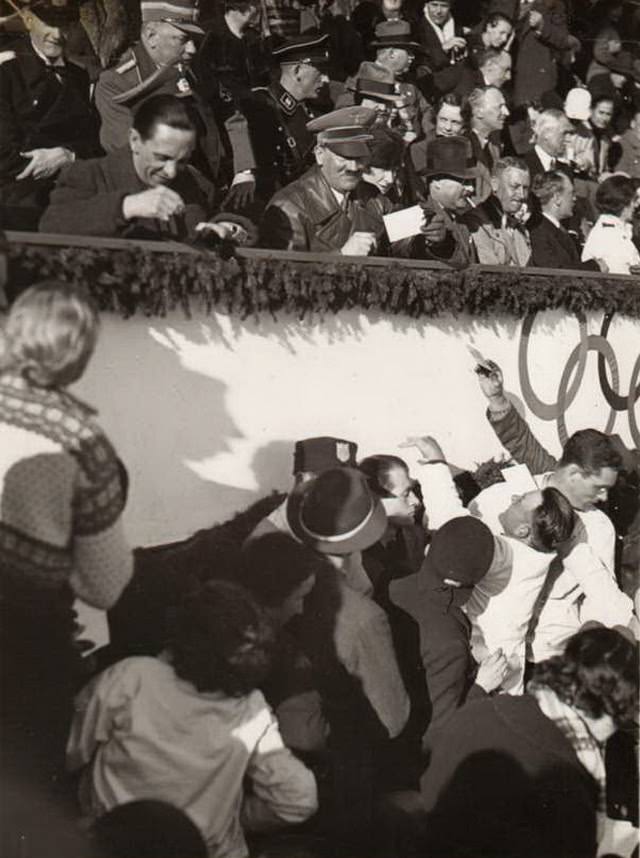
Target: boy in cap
278 114
46 119
159 64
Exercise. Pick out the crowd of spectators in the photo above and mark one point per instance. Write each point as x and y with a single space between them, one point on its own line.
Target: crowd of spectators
368 661
512 125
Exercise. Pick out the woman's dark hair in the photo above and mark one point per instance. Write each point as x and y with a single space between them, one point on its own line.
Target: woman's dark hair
162 110
598 674
274 565
615 194
553 520
222 640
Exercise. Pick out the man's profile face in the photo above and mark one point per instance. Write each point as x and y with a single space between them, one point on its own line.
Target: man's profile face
499 72
557 138
512 189
342 174
311 79
449 122
158 159
169 46
452 193
589 489
566 199
49 41
494 110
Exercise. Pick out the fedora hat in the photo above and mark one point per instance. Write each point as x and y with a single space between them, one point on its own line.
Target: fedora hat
336 513
395 34
450 156
375 81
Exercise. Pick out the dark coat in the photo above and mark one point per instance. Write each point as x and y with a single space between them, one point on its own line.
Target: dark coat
279 137
434 57
306 216
37 110
536 70
445 650
552 247
88 197
456 249
504 782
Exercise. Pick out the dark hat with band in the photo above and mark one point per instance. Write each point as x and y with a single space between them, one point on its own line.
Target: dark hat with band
377 82
347 131
451 157
310 49
395 34
336 513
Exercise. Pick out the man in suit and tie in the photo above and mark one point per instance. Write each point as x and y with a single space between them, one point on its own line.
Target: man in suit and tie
553 135
488 113
551 245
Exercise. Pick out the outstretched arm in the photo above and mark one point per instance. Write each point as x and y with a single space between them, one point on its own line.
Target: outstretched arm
513 432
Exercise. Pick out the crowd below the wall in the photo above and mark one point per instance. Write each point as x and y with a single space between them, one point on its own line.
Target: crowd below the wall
378 663
504 132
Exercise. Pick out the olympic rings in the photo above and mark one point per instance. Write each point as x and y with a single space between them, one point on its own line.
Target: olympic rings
605 350
614 400
573 374
544 410
633 422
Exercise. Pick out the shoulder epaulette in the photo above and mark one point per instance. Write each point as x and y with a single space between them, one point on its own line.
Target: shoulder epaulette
127 66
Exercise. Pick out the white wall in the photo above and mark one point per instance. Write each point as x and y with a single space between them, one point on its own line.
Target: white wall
204 411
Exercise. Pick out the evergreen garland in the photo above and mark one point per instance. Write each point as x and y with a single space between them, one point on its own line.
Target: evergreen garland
154 283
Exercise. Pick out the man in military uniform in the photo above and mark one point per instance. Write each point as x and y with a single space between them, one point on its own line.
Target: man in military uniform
160 64
46 119
278 114
322 210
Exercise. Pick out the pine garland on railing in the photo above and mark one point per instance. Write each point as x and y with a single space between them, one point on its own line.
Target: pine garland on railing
137 280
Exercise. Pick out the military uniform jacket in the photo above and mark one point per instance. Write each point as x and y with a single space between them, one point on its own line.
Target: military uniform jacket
43 107
135 67
307 216
282 145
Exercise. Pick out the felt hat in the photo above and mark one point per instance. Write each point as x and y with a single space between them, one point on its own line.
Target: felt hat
336 513
182 14
347 131
461 550
56 13
624 64
450 156
310 48
395 34
323 453
375 81
577 104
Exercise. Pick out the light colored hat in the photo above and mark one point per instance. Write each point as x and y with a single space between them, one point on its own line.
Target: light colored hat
577 104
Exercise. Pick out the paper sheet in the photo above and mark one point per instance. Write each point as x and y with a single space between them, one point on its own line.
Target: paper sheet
404 224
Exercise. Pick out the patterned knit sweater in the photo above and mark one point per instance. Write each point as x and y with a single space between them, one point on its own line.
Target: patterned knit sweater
61 497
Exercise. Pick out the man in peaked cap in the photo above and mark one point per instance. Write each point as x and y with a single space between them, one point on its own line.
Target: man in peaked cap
160 65
278 114
323 210
46 120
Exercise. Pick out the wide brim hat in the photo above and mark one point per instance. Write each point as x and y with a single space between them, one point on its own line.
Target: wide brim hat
395 34
181 14
375 81
450 157
336 512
